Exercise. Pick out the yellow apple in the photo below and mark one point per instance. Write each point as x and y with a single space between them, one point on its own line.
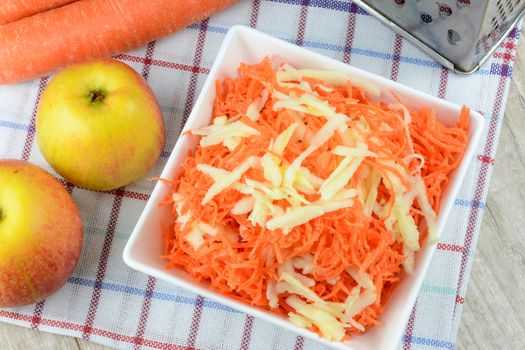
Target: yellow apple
99 125
40 233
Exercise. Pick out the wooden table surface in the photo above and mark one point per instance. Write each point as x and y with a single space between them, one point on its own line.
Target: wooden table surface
494 310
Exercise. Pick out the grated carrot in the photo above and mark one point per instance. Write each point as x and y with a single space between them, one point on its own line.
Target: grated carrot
242 259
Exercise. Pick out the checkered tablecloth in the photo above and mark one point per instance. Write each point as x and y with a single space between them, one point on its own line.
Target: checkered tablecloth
106 302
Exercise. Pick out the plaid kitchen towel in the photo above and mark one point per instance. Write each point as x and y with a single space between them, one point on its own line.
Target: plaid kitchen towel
106 302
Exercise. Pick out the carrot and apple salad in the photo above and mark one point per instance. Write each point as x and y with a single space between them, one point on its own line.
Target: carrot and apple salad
305 198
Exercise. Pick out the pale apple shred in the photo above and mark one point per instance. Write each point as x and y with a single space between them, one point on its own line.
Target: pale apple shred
306 199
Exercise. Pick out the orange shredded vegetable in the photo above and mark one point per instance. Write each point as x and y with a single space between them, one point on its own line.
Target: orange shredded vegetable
244 260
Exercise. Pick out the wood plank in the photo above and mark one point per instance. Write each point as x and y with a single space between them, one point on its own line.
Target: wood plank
493 316
18 338
87 345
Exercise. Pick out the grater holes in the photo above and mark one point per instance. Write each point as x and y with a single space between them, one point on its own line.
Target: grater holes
510 5
444 10
506 8
426 18
461 4
399 2
453 37
494 24
501 10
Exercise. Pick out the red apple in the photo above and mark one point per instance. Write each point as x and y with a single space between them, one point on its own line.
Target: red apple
40 233
99 125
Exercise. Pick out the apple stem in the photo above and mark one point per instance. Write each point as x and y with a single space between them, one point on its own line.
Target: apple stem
96 96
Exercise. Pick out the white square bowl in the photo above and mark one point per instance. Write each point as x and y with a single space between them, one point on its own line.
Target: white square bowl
246 45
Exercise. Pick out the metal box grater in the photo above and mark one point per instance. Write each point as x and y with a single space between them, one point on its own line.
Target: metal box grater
460 34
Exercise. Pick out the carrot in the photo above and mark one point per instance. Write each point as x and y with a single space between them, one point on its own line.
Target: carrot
12 10
245 260
91 29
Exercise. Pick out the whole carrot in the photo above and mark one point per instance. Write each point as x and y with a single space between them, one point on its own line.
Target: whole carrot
90 29
12 10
